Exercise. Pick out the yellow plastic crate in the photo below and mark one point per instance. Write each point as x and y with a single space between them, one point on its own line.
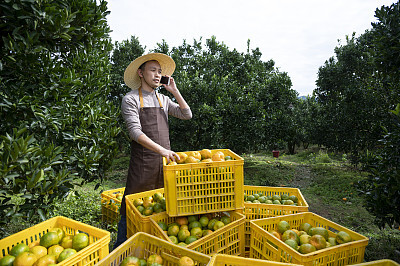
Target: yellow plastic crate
135 221
254 211
110 205
197 188
384 262
227 240
98 240
142 245
229 260
264 245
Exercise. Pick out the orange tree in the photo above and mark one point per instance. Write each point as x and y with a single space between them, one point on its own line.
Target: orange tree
356 91
123 54
56 121
238 101
382 186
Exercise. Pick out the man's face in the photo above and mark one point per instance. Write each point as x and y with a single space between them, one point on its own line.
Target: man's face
151 73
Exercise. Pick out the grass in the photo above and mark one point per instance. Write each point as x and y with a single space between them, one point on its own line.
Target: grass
326 181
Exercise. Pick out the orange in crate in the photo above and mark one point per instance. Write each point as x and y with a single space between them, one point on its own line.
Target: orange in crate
143 245
96 250
227 240
263 245
110 205
229 260
203 187
135 221
254 211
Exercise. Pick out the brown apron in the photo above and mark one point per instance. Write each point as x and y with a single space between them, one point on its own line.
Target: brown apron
145 167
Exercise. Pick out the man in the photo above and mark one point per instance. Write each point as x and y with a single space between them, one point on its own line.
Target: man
146 116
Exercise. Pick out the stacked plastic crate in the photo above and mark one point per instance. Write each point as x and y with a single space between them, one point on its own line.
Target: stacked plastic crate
214 189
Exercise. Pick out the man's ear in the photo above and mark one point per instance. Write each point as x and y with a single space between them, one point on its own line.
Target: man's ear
140 73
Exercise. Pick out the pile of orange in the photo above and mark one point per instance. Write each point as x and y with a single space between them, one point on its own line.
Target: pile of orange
53 247
154 260
187 229
306 238
150 204
203 156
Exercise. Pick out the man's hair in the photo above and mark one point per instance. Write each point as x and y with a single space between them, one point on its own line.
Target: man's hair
144 64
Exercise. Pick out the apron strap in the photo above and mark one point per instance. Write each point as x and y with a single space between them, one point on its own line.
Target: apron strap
141 98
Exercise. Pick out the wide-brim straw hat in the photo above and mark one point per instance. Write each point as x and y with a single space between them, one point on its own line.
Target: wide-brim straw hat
131 77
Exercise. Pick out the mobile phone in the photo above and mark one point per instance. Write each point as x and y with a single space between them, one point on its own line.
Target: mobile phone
164 80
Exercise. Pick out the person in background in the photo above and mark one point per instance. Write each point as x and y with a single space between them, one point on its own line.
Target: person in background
145 113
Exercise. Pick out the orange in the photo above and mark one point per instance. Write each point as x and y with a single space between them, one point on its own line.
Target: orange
192 218
318 242
191 159
172 163
59 232
46 260
66 242
332 241
131 260
25 259
181 220
207 232
34 244
204 221
148 211
80 241
182 157
283 226
195 224
290 234
137 202
157 197
207 160
19 249
39 251
173 239
211 223
218 225
163 226
197 232
292 243
56 250
154 259
225 219
185 261
205 154
7 260
194 154
343 237
173 230
319 231
49 239
306 248
218 156
65 254
119 197
183 234
304 239
190 239
305 227
276 234
184 226
148 203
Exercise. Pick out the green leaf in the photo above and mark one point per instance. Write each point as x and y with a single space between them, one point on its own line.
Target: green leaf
41 214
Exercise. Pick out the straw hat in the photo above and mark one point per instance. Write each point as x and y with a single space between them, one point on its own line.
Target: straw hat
131 77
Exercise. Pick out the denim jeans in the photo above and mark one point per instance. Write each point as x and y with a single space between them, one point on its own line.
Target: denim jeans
121 235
